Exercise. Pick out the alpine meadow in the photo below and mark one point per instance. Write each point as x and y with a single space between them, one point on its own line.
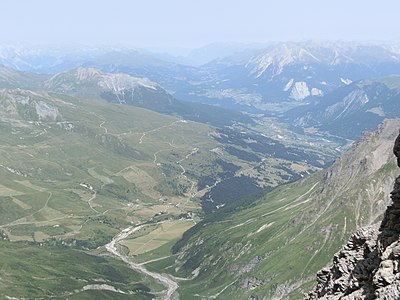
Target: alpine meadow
202 150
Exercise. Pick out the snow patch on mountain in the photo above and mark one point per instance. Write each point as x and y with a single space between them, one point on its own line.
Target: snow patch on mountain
377 110
316 92
346 81
288 85
300 91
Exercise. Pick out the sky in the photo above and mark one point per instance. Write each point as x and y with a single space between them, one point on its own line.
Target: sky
168 24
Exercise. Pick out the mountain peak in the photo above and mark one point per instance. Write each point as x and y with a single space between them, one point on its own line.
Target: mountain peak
277 57
280 56
115 82
86 73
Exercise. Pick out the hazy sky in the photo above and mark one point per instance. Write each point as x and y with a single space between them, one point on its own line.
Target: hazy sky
193 23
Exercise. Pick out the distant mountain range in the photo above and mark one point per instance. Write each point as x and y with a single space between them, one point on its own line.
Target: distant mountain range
10 78
120 88
351 109
280 76
295 70
306 84
292 72
138 91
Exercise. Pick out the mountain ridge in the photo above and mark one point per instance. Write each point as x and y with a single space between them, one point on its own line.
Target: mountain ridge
367 266
351 109
326 206
138 91
286 74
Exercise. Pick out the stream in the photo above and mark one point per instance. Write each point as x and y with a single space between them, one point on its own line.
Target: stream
166 280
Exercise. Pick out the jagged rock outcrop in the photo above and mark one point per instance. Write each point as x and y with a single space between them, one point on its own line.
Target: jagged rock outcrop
368 266
396 149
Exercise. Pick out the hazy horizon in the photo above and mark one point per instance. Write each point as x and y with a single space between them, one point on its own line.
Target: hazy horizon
180 25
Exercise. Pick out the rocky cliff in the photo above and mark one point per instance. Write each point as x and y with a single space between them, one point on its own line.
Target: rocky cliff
367 267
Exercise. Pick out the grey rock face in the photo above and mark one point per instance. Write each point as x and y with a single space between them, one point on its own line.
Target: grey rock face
368 266
396 149
252 282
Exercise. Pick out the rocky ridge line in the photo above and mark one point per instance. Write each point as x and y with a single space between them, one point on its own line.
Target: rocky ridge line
368 266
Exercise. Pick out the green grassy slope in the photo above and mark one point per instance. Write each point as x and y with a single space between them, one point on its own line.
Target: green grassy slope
274 247
81 170
10 78
75 172
33 272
